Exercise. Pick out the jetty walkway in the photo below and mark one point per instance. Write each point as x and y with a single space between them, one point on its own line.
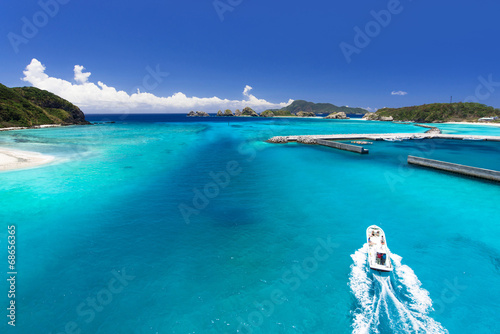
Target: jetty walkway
334 141
310 139
480 173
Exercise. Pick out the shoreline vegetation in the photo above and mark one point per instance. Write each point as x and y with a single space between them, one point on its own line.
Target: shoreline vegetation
26 107
438 113
32 108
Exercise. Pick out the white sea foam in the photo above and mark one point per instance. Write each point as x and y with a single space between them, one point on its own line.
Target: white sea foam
361 285
380 308
420 299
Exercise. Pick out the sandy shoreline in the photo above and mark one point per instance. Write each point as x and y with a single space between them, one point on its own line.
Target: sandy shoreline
15 159
43 126
471 123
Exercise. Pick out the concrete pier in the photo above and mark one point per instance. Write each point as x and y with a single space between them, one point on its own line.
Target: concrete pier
342 146
481 173
382 136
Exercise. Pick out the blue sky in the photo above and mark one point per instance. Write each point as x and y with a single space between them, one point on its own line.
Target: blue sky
282 49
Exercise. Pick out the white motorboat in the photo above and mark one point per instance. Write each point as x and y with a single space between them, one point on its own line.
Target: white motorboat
395 138
379 256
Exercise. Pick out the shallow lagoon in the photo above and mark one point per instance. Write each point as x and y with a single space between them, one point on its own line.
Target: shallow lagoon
248 260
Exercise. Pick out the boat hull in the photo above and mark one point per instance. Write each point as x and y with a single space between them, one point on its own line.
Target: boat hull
379 255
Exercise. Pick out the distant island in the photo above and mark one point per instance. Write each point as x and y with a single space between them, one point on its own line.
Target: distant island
198 114
437 113
298 108
247 111
30 106
311 109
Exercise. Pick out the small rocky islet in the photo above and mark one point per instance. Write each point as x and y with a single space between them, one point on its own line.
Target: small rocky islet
298 108
249 112
427 113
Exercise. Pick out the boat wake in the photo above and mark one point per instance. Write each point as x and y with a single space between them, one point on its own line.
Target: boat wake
389 302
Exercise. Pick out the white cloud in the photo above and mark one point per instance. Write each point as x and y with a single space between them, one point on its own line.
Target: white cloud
247 90
371 109
399 92
81 77
102 98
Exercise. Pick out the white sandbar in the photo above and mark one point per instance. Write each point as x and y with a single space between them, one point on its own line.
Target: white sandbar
15 159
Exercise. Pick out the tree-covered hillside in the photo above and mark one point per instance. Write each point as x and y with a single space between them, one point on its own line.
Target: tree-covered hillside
319 108
440 112
29 106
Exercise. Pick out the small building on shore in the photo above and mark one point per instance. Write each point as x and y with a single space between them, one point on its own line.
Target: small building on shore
487 119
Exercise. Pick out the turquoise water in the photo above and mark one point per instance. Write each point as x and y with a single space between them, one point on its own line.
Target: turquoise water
487 130
201 227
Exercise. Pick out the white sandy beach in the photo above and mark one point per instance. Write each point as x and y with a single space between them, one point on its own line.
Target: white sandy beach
43 126
472 123
15 159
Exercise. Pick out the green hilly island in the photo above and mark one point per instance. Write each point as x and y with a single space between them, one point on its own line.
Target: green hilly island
30 106
438 112
318 108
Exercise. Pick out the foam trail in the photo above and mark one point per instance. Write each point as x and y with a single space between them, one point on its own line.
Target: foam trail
361 283
420 299
381 308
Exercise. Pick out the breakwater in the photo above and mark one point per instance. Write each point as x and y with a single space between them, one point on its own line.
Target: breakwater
380 136
342 146
481 173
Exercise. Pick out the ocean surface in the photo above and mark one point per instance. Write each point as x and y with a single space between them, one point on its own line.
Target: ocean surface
169 224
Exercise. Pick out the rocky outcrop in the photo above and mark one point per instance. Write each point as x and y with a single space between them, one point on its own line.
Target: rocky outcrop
376 117
306 140
247 111
237 112
198 114
371 116
227 112
432 129
267 113
337 115
306 114
301 139
278 140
